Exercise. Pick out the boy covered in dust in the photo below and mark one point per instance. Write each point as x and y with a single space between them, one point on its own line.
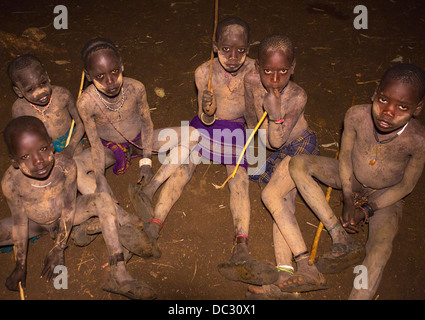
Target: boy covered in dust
52 104
269 88
41 191
222 109
118 124
380 161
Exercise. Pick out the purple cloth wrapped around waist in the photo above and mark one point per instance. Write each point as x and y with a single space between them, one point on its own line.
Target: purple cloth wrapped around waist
223 141
119 149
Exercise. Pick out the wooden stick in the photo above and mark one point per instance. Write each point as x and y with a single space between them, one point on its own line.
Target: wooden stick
21 290
243 152
213 39
73 122
212 50
319 229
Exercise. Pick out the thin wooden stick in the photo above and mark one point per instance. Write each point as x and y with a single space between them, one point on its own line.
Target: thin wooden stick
212 50
21 290
213 39
320 228
73 122
243 152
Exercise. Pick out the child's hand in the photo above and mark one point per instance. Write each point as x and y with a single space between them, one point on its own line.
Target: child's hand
351 218
54 258
272 104
207 103
146 175
18 275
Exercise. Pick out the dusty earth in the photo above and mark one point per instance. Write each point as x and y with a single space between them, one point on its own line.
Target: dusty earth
162 42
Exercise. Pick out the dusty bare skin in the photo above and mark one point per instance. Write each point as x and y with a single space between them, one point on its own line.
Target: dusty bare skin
269 89
384 172
126 117
41 191
35 91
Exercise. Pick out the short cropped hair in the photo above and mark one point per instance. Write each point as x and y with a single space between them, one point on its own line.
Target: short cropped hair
97 44
20 63
277 42
22 124
231 21
407 73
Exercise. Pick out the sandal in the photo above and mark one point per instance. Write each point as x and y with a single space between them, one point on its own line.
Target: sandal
135 240
93 226
272 292
141 203
80 236
309 283
340 257
251 272
131 289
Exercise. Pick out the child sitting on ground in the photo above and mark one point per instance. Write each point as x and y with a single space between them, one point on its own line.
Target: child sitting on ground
380 161
41 191
269 88
52 104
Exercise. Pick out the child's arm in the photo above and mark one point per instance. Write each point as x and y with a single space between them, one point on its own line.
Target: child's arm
250 114
283 116
78 133
346 166
206 103
397 192
56 254
20 242
85 104
146 173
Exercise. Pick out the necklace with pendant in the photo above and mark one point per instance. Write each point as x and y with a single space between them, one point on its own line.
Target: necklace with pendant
108 105
42 111
379 142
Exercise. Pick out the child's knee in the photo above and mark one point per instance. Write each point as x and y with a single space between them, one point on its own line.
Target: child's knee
297 165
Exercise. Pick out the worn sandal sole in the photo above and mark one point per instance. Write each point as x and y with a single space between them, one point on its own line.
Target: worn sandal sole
135 240
132 290
331 265
141 204
306 286
251 272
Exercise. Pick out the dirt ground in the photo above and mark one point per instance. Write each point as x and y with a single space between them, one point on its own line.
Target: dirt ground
162 42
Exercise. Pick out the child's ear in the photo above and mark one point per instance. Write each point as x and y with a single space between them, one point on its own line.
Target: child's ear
215 46
418 108
87 76
14 162
294 63
257 65
373 96
18 91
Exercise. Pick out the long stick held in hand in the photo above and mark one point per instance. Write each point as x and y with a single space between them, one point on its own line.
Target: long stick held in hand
212 50
276 92
320 228
73 122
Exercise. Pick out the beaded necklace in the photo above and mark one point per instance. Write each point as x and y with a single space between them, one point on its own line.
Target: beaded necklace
106 103
42 111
